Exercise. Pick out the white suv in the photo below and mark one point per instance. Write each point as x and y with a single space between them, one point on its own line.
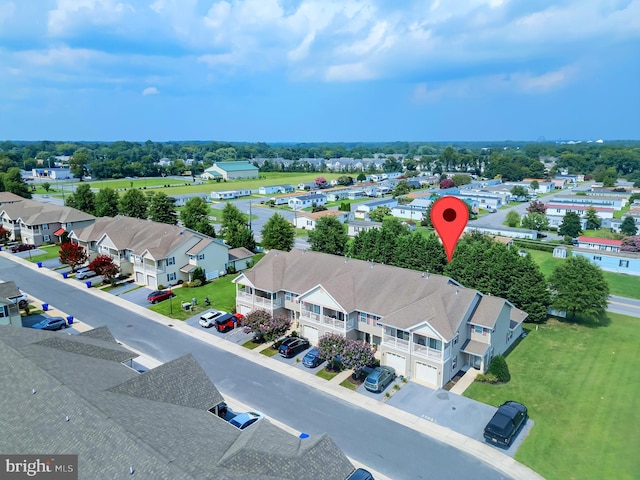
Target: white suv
207 320
20 300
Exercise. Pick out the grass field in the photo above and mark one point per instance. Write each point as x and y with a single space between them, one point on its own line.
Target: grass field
581 385
602 233
51 251
619 283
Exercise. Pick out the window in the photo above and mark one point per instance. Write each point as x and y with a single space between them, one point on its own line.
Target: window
4 311
201 256
363 317
47 238
401 334
455 339
171 261
624 263
477 329
435 344
454 363
171 277
45 226
597 258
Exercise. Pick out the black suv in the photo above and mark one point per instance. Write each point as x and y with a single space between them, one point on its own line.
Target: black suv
506 423
291 346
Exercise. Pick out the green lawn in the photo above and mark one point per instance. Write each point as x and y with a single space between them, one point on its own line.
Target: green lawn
603 233
619 283
51 251
581 385
326 374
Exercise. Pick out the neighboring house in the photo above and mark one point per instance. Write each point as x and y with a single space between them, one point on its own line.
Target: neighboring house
357 226
52 173
362 210
618 262
593 243
308 220
582 200
485 199
38 223
232 170
561 209
284 198
181 200
307 186
240 259
300 202
503 231
271 189
615 223
414 210
337 194
355 194
229 194
77 395
154 253
7 198
9 313
427 327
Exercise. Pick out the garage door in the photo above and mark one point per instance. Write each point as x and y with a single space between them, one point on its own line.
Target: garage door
396 361
245 310
427 373
139 277
311 333
152 281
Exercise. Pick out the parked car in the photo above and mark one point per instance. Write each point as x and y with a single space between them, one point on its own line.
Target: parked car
225 322
83 269
85 274
291 346
51 323
379 379
207 319
244 420
506 423
20 300
361 474
312 358
159 295
23 247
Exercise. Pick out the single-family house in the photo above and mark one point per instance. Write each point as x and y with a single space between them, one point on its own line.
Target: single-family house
605 244
232 170
299 202
154 253
363 209
239 259
427 327
337 194
308 220
271 189
39 223
283 199
356 226
615 223
556 212
484 199
229 194
8 197
502 231
181 200
617 262
607 201
414 210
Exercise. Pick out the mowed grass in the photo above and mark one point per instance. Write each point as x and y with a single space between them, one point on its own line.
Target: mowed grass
619 283
581 385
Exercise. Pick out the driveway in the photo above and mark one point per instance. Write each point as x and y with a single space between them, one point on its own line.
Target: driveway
137 296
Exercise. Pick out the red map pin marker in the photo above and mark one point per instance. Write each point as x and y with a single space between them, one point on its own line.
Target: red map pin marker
449 216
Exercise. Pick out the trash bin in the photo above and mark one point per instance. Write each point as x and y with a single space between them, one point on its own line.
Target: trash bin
304 435
70 319
39 264
88 283
45 307
64 274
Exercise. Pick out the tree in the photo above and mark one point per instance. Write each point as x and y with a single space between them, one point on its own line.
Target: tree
83 199
321 182
356 355
499 368
460 179
519 192
133 204
278 233
194 210
379 213
78 162
361 177
162 209
235 229
329 236
536 207
628 226
46 186
345 180
402 188
513 219
262 321
570 226
72 254
12 181
103 265
4 234
535 221
106 202
577 285
204 227
447 183
534 185
330 347
593 221
630 244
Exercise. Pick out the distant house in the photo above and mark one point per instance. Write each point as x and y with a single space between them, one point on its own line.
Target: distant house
300 202
181 200
308 220
52 173
357 226
606 201
503 231
414 210
229 194
365 208
618 262
232 170
271 189
605 244
559 210
239 259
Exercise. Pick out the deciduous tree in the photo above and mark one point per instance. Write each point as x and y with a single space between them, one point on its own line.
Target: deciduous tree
513 219
578 286
630 244
628 226
356 355
104 265
133 204
536 207
570 226
12 181
535 221
106 202
402 188
83 199
447 183
72 254
519 191
329 236
194 210
162 209
278 233
379 213
330 347
593 221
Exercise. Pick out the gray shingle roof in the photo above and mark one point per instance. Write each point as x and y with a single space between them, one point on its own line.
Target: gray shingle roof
9 289
36 213
114 423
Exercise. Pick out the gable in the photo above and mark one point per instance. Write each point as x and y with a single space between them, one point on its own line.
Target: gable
319 296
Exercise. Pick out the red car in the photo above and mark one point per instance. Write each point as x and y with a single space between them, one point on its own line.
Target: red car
228 321
22 247
159 295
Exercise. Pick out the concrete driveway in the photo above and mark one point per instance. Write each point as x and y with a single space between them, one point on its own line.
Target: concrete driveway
138 296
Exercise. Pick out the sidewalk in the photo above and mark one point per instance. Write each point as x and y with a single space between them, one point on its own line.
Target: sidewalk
489 455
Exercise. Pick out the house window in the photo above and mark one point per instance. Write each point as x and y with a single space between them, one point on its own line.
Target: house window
401 334
45 226
315 309
455 339
171 261
171 277
201 256
435 344
597 258
624 263
47 238
477 329
454 362
363 317
4 311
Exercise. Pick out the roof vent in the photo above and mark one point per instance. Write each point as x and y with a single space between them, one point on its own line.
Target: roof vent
33 391
457 290
67 418
132 470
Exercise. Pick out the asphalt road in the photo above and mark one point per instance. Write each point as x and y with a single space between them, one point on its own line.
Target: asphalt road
625 306
385 446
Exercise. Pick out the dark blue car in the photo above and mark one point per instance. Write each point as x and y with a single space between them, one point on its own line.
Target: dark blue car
312 358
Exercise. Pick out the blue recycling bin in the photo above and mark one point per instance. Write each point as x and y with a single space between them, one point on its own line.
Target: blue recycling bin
304 435
88 283
64 274
70 319
39 264
45 307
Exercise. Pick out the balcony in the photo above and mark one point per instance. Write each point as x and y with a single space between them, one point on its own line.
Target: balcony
427 352
396 343
322 320
258 302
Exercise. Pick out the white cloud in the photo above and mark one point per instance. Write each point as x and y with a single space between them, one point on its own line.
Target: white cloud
150 91
348 72
71 14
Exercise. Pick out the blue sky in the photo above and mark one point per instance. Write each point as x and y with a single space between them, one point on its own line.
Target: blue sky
319 70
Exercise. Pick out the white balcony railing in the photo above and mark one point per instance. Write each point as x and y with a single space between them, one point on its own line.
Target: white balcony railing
397 343
322 320
259 302
426 351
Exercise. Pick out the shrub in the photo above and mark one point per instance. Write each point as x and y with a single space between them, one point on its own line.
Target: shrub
180 282
500 369
197 282
487 378
160 287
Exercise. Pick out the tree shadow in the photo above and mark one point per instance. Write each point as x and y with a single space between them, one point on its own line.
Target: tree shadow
586 321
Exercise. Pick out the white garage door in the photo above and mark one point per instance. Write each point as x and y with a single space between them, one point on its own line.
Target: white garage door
427 373
311 333
139 277
152 281
245 310
396 361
